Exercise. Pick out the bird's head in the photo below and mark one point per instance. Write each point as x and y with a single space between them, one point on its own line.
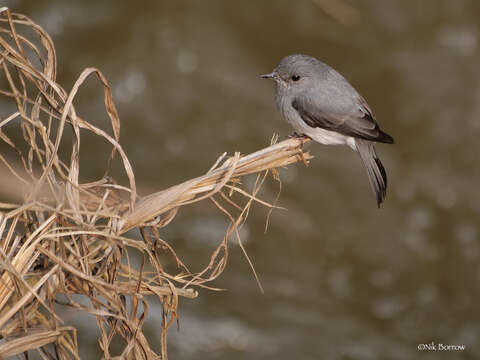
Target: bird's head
295 71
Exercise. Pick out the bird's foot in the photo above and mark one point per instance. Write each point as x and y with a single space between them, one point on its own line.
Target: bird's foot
296 135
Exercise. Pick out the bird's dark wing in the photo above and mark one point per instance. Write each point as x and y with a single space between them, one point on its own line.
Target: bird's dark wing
359 123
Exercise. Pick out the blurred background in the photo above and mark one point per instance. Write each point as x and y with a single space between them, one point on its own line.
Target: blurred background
343 280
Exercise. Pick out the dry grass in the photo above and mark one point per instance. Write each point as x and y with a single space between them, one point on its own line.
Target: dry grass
64 237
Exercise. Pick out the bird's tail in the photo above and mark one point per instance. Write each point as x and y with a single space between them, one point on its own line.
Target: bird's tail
375 170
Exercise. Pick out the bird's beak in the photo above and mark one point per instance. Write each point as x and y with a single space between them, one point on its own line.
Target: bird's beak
268 76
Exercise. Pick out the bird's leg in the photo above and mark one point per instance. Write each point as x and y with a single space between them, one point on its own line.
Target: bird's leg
295 135
298 136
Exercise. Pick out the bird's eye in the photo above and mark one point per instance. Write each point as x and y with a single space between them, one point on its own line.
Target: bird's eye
295 77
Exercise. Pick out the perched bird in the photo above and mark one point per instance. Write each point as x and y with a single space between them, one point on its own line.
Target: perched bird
321 104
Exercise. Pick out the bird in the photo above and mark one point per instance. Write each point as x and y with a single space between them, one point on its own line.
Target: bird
321 104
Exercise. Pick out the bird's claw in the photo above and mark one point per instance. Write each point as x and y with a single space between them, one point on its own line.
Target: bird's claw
301 137
296 135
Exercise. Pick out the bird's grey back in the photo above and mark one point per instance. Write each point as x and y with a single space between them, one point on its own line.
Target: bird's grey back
327 88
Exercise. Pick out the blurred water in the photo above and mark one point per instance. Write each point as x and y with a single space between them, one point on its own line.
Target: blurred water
343 280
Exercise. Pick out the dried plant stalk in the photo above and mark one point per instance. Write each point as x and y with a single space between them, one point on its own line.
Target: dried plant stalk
61 236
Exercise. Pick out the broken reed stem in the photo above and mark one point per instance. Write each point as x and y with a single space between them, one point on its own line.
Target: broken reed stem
274 156
64 237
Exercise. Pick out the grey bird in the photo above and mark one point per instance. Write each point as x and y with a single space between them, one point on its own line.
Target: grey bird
321 104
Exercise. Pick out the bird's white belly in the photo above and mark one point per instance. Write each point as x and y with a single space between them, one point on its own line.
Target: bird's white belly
326 137
320 135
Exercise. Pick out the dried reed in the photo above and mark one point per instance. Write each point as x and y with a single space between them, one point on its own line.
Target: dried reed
64 237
